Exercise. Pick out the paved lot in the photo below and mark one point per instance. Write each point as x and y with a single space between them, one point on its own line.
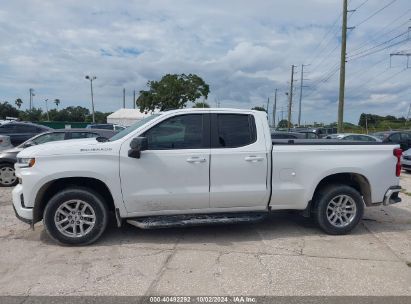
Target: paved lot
285 255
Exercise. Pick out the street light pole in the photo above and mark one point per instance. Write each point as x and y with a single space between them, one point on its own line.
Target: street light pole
47 110
31 98
91 78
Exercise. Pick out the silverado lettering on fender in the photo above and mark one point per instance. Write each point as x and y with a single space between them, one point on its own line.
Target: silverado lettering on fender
200 166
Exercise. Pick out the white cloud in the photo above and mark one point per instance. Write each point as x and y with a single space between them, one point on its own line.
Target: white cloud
243 49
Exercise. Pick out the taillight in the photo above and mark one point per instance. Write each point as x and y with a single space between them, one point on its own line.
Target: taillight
397 153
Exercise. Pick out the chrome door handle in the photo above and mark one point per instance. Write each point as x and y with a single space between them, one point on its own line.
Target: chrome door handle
196 159
254 159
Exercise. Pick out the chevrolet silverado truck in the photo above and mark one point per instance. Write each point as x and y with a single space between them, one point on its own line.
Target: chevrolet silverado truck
200 166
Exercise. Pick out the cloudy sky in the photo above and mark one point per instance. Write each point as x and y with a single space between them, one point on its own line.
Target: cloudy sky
244 49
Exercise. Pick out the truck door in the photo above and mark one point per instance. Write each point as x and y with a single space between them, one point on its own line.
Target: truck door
173 173
239 165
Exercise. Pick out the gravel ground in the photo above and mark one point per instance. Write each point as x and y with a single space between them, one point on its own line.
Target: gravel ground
284 255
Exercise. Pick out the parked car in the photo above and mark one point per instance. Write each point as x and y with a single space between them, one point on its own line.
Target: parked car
319 132
406 161
402 138
354 137
286 135
5 142
309 134
106 126
9 157
21 131
200 166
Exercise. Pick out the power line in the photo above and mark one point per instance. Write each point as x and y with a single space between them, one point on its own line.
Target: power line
323 81
377 51
361 70
380 44
331 30
380 34
361 5
396 74
375 13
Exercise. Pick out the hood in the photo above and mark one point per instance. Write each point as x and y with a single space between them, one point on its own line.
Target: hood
408 152
13 150
68 147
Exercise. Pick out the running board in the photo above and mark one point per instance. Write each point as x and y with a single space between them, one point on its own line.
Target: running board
174 221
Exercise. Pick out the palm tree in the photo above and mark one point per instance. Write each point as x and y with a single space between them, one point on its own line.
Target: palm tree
57 102
18 102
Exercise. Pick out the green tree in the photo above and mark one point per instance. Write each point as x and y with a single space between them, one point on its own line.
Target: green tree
201 105
7 110
33 114
283 123
101 117
57 102
18 102
172 92
259 109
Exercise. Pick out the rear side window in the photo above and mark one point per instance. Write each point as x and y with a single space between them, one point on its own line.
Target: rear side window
25 129
233 130
77 135
395 138
7 128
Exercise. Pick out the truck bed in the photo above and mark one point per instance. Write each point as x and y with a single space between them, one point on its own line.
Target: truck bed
325 142
300 165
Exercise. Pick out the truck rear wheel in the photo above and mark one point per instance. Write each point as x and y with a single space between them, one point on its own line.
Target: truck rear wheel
339 209
75 216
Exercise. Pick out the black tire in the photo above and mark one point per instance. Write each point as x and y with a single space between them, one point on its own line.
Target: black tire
324 215
8 183
87 196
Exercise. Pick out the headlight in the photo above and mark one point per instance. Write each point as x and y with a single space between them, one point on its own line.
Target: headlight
26 162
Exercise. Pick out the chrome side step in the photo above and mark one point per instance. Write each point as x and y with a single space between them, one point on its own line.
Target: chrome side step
174 221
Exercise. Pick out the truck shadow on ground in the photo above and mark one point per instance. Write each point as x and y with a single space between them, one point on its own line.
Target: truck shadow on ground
279 225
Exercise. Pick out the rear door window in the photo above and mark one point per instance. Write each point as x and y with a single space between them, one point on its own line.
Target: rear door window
233 130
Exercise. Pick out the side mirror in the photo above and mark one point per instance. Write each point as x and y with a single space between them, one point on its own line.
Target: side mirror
28 144
137 145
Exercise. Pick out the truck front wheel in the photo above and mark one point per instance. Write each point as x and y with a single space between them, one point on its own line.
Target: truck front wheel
75 216
339 208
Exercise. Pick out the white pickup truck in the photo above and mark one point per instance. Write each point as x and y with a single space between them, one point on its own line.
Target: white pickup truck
199 166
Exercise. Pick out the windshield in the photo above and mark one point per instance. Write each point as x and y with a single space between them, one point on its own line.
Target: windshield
133 127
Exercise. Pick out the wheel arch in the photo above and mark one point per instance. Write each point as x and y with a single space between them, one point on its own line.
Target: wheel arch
358 181
48 190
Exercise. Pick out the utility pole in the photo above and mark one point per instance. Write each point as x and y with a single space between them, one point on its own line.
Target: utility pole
342 68
134 99
408 115
275 106
301 93
124 98
290 100
268 105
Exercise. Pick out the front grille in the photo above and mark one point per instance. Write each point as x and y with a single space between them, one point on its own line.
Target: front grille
407 157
